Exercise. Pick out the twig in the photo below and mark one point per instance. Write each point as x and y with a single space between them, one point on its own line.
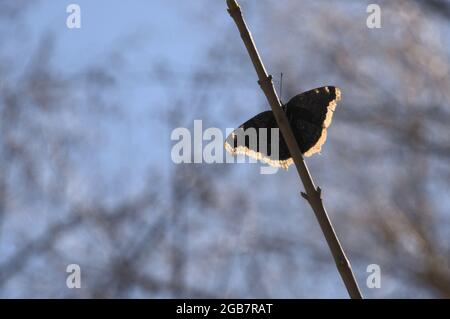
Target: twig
311 194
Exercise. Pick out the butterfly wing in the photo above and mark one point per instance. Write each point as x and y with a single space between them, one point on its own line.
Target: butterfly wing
310 114
238 142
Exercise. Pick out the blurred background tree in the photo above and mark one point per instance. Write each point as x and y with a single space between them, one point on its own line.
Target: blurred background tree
86 175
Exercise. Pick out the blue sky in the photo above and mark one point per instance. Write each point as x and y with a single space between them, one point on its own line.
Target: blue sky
105 24
141 32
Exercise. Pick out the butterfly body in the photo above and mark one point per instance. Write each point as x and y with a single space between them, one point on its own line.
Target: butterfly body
309 114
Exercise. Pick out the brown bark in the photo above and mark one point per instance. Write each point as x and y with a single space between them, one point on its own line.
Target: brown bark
311 194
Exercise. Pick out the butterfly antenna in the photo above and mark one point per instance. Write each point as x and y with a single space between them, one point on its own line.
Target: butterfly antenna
281 87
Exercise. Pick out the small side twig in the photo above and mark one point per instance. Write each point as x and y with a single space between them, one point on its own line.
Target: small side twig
311 194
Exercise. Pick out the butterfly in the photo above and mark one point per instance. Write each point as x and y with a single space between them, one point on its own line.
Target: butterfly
309 115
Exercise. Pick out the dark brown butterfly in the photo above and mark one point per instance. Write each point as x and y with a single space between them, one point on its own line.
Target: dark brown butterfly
309 115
